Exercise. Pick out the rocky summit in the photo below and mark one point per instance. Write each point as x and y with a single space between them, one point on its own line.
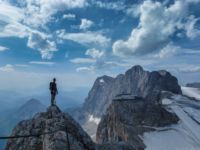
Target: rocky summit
135 81
50 130
55 130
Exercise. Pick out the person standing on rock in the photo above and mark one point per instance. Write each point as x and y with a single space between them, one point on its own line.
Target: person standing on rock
54 91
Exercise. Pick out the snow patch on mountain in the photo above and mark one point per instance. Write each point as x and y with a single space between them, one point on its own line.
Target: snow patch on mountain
94 119
191 92
173 139
166 101
101 81
184 135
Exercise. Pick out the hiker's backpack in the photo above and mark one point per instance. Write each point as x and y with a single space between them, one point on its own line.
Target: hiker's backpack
51 86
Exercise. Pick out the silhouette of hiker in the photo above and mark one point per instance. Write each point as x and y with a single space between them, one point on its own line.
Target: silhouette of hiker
54 91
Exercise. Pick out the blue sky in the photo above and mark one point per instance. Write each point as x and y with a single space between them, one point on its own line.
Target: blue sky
78 40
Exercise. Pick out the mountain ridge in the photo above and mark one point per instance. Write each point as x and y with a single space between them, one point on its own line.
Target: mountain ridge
135 81
54 130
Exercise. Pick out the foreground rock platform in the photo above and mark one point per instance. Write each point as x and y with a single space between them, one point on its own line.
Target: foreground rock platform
59 130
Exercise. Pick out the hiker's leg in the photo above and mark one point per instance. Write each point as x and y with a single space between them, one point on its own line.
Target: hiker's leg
54 96
51 99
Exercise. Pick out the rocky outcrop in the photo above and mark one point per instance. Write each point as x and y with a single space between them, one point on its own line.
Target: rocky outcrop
128 117
51 130
135 81
115 146
193 85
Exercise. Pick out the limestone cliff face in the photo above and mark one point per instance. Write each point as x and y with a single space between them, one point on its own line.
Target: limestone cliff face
127 118
56 128
135 81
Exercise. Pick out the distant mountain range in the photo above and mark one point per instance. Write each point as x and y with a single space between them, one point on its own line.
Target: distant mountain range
14 105
29 109
26 111
135 81
11 100
135 111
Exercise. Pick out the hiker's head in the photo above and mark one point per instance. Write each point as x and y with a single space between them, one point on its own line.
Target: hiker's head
54 79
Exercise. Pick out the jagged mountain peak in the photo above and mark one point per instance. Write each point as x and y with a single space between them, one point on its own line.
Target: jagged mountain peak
104 79
164 72
136 68
135 81
139 69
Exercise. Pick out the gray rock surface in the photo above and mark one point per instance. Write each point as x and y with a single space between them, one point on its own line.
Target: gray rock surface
58 125
127 119
115 146
135 81
194 85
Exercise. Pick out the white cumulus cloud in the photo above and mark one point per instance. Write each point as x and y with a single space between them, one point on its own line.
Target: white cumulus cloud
86 24
21 65
89 69
187 68
86 38
2 48
95 60
7 68
42 44
40 12
157 24
82 60
191 31
168 51
69 16
9 13
42 63
94 53
26 18
117 5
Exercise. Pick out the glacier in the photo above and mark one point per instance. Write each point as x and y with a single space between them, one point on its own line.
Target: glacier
186 134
